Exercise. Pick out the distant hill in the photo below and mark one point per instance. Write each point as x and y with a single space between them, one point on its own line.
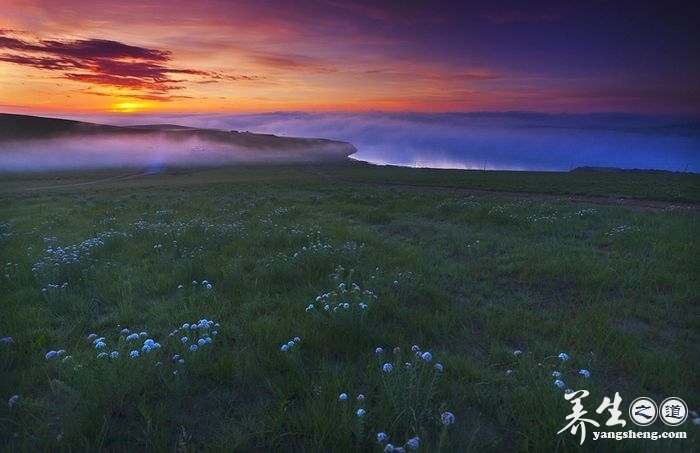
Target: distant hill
22 135
616 169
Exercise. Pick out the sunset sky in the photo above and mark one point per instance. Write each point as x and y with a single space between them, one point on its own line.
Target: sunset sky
208 56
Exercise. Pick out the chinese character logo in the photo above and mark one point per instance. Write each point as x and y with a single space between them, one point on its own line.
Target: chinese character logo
673 411
643 411
576 417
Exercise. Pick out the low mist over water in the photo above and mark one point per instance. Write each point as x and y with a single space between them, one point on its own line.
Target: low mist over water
496 141
493 141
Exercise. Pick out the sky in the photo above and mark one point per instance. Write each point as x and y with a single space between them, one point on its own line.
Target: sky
220 56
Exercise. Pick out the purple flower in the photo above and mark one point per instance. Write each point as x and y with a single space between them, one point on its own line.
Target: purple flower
585 373
388 367
382 437
559 383
447 418
426 356
13 400
413 443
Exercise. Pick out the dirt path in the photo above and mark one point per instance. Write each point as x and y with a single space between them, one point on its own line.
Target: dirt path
86 183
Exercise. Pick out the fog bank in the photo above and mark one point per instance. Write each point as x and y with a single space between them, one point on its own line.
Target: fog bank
510 141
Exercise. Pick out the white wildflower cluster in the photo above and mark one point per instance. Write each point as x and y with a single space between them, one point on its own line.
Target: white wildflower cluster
559 372
5 230
343 299
139 344
53 287
196 335
288 346
10 269
446 418
56 256
411 444
204 284
421 358
360 398
620 229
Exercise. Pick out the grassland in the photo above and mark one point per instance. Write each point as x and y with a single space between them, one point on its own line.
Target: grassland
455 263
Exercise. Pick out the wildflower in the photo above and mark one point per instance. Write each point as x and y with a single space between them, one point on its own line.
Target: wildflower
185 326
114 355
309 307
415 348
50 355
379 350
346 306
134 354
413 443
193 347
297 340
149 342
509 372
290 344
397 350
326 307
438 367
556 374
205 282
101 355
13 400
184 340
209 286
559 383
143 334
407 365
585 373
67 358
7 340
60 352
201 342
194 282
563 356
91 336
447 418
342 397
388 367
517 353
426 356
382 437
180 286
389 448
133 336
363 306
181 361
284 348
361 412
569 391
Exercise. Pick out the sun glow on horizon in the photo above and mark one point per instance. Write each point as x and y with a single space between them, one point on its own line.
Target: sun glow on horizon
127 107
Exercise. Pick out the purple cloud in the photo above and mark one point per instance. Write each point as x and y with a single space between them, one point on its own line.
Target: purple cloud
106 63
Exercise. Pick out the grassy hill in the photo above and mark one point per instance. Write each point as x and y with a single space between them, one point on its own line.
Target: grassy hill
19 133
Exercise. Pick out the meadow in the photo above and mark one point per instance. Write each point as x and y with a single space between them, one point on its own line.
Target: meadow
343 308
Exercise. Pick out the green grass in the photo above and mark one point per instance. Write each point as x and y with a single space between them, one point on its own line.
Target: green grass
468 275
